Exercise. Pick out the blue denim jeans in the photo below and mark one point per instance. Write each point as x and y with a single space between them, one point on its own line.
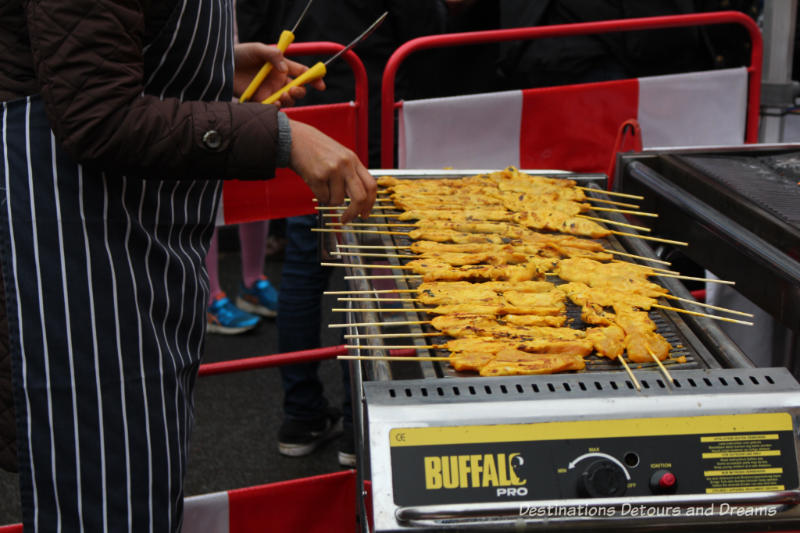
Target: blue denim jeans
303 281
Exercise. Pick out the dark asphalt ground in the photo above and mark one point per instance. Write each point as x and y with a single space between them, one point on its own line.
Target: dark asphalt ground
234 443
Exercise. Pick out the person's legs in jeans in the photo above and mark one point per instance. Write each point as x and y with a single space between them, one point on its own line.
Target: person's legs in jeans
308 419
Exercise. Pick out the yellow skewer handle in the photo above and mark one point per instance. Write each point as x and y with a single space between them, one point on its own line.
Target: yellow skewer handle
284 41
317 71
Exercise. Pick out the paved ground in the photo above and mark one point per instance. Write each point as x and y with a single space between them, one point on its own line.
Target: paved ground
237 415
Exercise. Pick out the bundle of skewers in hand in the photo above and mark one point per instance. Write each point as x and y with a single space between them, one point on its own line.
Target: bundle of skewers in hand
498 255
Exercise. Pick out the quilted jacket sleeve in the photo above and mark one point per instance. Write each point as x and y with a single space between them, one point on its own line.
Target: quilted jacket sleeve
88 59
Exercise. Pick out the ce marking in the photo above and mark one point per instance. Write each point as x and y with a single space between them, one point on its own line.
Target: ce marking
400 437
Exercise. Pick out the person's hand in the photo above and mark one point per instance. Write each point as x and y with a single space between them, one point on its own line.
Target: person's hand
332 171
248 60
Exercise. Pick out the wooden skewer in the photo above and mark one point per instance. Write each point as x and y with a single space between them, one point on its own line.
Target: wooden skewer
392 335
372 247
648 238
373 232
391 358
614 223
691 278
382 291
397 267
705 315
708 306
397 276
660 365
377 299
399 347
630 373
625 211
373 224
641 257
610 193
398 256
382 310
368 324
612 202
343 207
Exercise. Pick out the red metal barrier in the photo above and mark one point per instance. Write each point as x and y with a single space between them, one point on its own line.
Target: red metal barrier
361 98
388 105
267 361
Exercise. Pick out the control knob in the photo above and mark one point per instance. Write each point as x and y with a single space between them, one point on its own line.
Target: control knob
602 479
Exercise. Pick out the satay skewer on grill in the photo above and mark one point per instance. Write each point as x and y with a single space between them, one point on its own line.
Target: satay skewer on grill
398 247
413 291
422 234
409 225
657 306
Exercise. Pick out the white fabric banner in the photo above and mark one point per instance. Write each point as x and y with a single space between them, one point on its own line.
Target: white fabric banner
444 132
693 109
207 513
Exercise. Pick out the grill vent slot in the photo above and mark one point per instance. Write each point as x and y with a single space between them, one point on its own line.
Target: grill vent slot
521 388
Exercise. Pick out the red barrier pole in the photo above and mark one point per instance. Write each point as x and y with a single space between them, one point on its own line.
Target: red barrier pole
361 86
266 361
561 30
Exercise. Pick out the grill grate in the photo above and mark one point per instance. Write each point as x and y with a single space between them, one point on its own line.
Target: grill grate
769 182
594 363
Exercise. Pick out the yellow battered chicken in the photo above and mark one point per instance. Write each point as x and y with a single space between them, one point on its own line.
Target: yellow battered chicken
432 270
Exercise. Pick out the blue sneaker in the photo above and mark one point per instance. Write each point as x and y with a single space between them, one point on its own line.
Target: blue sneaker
260 299
224 317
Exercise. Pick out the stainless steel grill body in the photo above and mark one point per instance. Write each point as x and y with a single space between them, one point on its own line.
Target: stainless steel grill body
716 381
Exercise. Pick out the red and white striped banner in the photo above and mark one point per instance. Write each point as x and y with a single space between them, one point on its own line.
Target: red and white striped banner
318 504
572 127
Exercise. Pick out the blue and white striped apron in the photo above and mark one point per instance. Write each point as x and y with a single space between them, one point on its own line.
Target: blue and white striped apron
107 289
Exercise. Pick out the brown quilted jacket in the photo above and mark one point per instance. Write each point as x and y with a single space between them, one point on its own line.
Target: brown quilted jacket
85 58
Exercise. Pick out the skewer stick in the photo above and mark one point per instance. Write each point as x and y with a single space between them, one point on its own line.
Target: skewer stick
612 202
373 232
630 373
647 238
382 310
691 278
398 256
708 306
392 335
397 276
368 324
640 257
610 193
391 358
382 291
614 223
378 299
705 315
660 365
625 211
373 224
397 347
372 247
398 267
343 207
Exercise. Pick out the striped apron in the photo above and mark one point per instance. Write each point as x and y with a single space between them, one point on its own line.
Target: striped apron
107 289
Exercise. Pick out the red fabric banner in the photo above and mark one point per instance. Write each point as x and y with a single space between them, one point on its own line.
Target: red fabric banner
573 127
318 504
286 194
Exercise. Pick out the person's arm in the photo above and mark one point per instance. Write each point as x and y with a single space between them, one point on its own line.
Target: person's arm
88 59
